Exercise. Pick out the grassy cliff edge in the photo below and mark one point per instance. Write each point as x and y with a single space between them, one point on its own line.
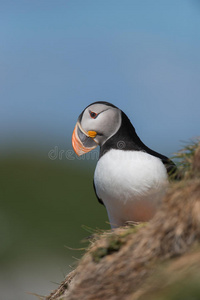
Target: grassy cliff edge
158 260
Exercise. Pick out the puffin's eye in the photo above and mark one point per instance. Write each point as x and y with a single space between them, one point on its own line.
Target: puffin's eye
93 115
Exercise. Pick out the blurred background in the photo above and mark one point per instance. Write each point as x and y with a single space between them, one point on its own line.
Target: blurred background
56 57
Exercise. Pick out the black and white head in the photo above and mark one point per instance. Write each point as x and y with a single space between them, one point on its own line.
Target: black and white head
96 124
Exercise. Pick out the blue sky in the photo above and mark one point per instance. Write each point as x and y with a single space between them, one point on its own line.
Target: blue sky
58 56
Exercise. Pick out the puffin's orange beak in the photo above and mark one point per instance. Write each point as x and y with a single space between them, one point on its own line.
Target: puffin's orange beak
83 141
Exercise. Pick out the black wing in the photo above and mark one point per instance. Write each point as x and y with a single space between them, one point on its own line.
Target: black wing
100 201
168 163
170 166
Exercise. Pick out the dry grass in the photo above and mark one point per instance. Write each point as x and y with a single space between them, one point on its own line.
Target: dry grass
139 260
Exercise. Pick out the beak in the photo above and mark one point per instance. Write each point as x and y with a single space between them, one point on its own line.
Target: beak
83 141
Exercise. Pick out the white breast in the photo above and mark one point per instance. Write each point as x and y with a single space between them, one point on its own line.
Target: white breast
130 183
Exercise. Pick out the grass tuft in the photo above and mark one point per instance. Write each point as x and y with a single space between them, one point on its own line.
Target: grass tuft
184 159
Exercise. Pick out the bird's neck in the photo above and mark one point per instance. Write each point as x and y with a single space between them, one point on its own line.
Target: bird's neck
125 138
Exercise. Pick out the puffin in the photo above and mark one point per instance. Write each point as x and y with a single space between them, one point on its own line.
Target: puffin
130 179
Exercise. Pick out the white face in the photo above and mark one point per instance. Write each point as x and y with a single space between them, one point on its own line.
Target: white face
103 119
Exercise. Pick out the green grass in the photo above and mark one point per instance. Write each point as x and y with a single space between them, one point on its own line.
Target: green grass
184 157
